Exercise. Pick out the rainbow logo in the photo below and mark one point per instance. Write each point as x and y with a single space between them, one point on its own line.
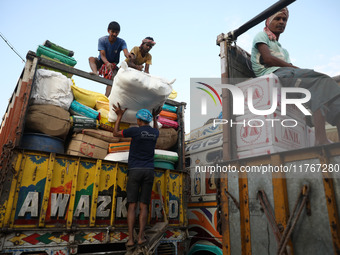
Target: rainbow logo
209 93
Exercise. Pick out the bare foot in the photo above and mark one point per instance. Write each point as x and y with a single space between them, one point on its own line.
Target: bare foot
93 73
130 243
142 241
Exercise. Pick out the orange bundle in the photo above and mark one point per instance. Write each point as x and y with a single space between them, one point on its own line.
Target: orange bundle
119 147
168 115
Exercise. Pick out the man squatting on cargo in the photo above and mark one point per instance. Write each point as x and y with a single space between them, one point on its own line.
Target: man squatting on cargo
141 55
109 48
140 167
269 57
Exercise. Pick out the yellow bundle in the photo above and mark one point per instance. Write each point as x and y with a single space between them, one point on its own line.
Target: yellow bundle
104 115
87 97
102 105
173 94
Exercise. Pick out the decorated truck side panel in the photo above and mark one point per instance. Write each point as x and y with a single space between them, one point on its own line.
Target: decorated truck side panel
61 204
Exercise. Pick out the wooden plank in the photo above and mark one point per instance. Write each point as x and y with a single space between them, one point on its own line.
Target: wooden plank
244 212
224 203
333 214
280 194
93 211
73 195
47 190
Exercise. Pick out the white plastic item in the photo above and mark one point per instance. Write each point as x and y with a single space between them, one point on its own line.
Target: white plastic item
118 156
136 90
53 88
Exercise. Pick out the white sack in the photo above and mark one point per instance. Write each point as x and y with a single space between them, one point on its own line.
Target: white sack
136 90
53 88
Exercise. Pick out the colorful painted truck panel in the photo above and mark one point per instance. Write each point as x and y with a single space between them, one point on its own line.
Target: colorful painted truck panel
64 192
61 204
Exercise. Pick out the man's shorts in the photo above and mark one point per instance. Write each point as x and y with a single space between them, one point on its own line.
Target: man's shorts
99 63
139 185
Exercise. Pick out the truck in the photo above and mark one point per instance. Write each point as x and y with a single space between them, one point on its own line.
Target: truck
56 203
278 212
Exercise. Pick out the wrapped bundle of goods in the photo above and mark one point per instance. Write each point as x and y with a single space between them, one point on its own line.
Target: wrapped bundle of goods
119 147
53 88
87 146
48 119
136 90
167 123
53 54
118 156
169 108
167 138
168 115
87 97
62 51
77 108
104 121
165 159
101 134
78 123
58 48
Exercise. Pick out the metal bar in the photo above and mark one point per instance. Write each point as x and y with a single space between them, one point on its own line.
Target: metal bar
167 193
224 206
73 194
182 211
94 201
68 69
280 193
244 213
12 191
113 206
16 195
330 196
47 190
232 35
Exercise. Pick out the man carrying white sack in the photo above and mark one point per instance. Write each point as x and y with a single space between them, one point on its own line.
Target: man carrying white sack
141 55
140 167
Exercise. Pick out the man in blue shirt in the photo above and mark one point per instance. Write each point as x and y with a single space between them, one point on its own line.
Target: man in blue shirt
109 48
140 167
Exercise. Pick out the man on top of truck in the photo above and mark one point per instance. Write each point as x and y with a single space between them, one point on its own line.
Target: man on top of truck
268 56
141 55
109 48
140 167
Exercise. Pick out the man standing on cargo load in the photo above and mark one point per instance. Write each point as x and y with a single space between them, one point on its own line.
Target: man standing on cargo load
140 167
109 48
268 56
141 55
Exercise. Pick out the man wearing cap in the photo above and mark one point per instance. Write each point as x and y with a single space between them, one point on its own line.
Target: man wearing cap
109 48
141 55
140 167
268 56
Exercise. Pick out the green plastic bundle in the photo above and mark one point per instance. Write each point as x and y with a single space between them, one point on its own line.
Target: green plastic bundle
58 48
48 52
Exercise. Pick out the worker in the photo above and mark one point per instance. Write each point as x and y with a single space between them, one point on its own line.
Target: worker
141 55
268 56
109 48
140 168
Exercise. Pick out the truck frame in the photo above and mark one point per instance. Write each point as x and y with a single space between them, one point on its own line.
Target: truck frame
60 204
